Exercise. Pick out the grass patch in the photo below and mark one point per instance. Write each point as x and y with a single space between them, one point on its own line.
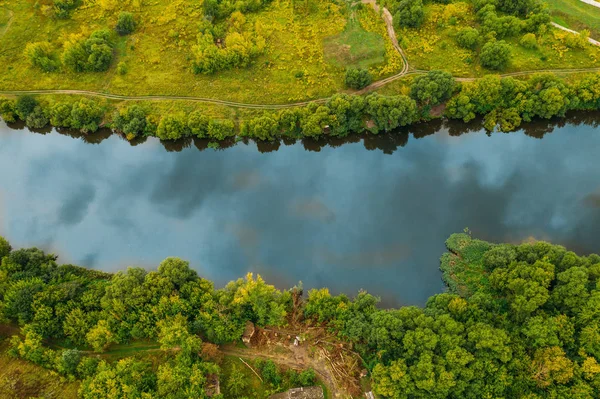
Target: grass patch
22 379
576 15
354 47
433 46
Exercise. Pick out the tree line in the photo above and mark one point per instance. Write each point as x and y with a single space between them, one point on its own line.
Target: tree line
504 104
518 321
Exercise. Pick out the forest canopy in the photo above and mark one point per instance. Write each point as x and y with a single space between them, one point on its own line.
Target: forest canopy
517 321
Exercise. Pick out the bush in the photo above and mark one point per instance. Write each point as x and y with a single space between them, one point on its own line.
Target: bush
529 41
198 124
125 23
358 78
468 38
122 68
410 14
41 55
495 55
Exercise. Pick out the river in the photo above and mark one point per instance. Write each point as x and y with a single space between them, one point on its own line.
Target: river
370 214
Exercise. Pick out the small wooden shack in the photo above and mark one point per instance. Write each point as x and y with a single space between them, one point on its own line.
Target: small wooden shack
301 393
248 333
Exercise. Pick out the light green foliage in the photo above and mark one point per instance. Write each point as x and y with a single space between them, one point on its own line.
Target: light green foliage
173 333
529 41
495 55
18 299
100 337
7 110
128 378
358 78
433 88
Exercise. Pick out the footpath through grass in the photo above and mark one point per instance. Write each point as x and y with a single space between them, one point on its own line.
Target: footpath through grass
576 15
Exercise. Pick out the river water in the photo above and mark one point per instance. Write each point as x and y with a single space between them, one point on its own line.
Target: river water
369 214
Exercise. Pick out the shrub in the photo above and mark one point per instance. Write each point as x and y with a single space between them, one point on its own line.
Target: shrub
495 55
60 115
410 13
125 23
468 38
358 78
529 41
122 68
41 55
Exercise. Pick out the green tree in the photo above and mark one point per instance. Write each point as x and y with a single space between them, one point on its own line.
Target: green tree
125 23
131 121
172 127
64 8
529 41
100 336
198 124
24 106
236 383
86 115
468 38
5 247
358 78
37 119
433 88
41 55
410 13
18 299
495 55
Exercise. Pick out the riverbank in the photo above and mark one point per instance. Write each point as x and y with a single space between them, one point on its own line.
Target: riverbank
503 102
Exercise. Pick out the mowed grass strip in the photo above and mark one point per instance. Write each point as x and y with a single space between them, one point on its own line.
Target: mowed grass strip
576 15
354 47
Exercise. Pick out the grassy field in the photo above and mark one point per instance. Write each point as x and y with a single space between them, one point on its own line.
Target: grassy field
576 15
433 46
354 47
293 67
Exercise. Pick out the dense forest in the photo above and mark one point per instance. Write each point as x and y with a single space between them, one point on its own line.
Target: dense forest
517 321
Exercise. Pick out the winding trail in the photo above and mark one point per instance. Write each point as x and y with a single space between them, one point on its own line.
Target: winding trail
407 70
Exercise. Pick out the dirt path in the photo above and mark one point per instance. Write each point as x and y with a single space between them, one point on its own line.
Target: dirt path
592 3
10 21
298 360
